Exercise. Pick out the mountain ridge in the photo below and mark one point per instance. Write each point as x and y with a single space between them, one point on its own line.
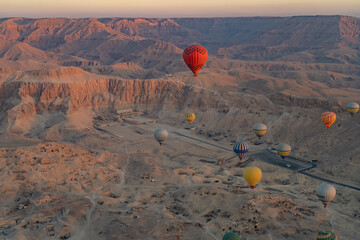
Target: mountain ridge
299 31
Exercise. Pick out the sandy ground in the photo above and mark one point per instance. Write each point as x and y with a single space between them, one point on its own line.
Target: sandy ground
123 185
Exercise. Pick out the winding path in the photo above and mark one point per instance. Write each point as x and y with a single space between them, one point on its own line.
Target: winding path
296 164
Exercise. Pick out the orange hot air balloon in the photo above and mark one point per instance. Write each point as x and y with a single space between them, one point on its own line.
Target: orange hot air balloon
328 118
195 57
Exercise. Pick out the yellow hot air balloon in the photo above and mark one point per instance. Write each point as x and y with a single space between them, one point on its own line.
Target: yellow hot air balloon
328 118
283 150
352 108
252 175
190 117
259 129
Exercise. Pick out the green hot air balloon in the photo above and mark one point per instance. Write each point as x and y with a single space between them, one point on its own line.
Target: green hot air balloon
326 236
231 236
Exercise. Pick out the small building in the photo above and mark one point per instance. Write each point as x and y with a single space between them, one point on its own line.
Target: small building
127 113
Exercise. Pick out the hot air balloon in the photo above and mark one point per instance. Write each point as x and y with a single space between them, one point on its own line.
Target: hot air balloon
326 193
326 236
231 236
283 150
240 149
328 118
161 135
195 57
252 175
260 129
352 108
190 117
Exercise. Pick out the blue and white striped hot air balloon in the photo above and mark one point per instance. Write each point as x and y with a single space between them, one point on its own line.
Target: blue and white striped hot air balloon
240 149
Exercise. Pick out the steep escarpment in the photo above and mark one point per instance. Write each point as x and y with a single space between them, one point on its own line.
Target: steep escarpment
106 92
23 100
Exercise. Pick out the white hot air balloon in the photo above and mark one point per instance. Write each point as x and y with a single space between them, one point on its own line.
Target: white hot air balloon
161 135
326 193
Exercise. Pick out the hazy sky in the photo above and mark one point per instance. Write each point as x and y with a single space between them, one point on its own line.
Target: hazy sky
176 8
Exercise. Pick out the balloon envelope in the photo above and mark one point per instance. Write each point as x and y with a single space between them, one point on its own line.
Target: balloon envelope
326 236
252 175
326 193
161 135
195 57
190 117
352 108
231 236
283 150
259 129
328 118
240 149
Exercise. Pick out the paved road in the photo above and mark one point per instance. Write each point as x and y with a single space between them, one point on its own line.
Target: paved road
202 141
105 131
263 155
293 163
290 163
330 181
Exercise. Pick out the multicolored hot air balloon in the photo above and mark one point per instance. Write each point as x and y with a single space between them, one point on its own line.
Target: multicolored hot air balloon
352 108
260 129
252 175
326 193
231 236
328 118
326 236
195 57
190 117
240 149
283 150
161 135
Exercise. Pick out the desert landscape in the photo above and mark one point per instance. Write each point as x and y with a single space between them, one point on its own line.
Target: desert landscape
80 100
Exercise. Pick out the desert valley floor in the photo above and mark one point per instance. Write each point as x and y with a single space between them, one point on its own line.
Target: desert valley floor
116 182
